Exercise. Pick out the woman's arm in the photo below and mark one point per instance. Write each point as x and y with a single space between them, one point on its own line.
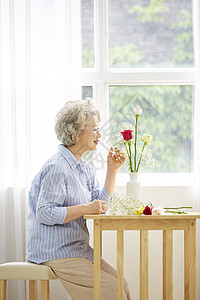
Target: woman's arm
110 181
77 211
114 162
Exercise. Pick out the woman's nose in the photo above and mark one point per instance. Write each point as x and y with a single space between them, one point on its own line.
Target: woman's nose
98 134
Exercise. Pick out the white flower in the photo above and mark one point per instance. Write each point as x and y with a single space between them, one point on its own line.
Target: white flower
157 211
147 138
137 110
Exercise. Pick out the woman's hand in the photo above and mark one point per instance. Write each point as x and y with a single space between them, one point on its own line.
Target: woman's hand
95 207
77 211
115 159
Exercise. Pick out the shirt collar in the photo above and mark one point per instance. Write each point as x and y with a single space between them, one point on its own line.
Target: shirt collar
71 159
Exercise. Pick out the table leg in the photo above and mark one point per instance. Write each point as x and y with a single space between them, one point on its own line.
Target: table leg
167 265
192 260
97 267
100 243
120 264
186 265
143 265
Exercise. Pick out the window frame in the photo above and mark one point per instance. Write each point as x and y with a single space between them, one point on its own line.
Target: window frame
101 77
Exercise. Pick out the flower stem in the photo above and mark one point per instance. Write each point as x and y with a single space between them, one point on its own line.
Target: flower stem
128 151
179 207
140 157
176 212
136 131
130 156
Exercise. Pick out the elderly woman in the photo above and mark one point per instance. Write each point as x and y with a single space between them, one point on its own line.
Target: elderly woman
64 190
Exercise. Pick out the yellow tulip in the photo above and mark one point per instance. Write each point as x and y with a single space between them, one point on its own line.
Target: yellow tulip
147 138
139 211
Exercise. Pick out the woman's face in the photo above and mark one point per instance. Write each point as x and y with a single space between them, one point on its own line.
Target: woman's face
89 138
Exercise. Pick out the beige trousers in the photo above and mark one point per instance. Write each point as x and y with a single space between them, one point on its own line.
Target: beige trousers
76 275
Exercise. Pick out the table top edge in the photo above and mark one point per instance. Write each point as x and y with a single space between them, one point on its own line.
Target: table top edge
194 215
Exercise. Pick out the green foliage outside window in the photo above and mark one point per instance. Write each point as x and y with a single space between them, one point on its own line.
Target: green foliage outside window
167 110
167 116
170 41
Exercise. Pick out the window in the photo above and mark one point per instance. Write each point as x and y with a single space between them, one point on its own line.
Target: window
145 53
87 33
150 33
167 115
87 92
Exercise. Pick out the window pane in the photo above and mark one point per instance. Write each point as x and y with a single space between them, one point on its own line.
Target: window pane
150 33
87 11
87 92
167 115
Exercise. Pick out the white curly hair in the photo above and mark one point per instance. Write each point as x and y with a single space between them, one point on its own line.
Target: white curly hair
72 118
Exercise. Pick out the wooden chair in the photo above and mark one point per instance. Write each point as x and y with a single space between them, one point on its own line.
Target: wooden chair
27 271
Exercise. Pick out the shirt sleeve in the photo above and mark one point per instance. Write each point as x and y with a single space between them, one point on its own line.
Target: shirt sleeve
50 209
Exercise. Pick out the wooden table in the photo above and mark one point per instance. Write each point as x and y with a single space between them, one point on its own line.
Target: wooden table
166 223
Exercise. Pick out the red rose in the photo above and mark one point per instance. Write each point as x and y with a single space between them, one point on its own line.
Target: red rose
127 135
147 210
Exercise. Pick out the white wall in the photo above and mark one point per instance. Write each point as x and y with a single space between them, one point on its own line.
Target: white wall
164 196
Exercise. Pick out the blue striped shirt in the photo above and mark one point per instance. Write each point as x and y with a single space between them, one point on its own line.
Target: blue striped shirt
61 182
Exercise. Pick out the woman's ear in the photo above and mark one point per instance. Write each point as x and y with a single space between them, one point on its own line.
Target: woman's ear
80 135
